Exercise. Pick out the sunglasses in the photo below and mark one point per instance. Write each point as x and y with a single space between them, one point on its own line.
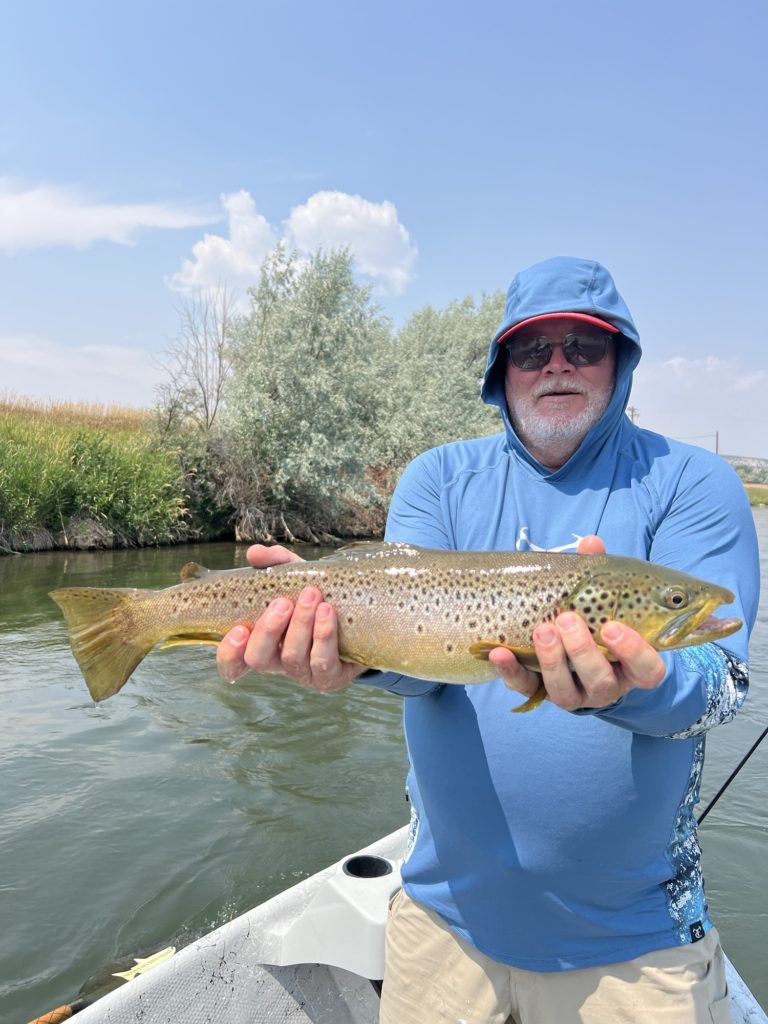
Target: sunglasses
578 349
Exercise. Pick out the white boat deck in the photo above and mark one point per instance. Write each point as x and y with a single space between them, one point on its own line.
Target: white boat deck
303 957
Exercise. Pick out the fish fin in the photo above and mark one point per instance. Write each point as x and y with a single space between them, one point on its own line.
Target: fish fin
355 660
192 571
102 641
525 655
191 640
533 702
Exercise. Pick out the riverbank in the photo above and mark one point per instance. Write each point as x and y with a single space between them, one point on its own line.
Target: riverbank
84 476
757 494
79 476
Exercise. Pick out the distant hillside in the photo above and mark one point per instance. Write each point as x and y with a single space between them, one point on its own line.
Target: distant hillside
751 471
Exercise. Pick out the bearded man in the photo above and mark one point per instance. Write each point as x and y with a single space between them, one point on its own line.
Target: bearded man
553 875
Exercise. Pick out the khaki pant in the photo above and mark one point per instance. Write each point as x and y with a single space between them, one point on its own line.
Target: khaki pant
433 977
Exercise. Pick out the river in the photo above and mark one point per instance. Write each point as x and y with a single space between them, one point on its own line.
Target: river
158 815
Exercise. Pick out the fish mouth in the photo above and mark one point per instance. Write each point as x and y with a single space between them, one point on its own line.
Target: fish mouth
697 626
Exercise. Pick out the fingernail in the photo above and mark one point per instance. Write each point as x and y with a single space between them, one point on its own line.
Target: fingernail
281 606
323 611
612 631
568 622
546 635
238 635
307 598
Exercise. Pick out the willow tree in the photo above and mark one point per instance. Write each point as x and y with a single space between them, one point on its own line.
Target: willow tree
438 359
305 404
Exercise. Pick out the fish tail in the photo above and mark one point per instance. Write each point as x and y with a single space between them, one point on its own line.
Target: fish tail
104 640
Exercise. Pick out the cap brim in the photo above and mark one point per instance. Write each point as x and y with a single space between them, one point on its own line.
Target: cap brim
583 317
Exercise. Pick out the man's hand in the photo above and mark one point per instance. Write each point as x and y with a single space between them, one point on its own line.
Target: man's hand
299 641
574 671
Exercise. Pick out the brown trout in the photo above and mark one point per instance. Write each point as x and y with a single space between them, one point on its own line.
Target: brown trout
425 613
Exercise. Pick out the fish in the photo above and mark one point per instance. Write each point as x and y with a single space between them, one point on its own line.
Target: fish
426 613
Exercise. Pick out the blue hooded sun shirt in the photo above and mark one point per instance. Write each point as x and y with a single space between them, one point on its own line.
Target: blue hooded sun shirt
554 840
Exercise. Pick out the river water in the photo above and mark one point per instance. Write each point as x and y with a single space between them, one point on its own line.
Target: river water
183 801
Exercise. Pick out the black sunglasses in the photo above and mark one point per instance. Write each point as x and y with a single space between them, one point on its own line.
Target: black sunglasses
578 349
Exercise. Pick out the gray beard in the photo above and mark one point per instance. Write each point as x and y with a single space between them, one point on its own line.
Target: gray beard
562 435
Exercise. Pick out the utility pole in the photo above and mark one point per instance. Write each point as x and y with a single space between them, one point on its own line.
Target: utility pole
633 412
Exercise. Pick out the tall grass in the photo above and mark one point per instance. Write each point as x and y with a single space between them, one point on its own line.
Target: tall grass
757 493
84 475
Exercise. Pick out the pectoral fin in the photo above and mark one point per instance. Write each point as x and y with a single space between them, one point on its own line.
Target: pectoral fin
533 702
525 655
354 659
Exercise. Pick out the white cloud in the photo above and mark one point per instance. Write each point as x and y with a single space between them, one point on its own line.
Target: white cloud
708 401
380 245
55 215
110 374
234 261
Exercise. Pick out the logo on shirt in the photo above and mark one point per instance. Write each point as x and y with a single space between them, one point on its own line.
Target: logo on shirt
697 931
524 543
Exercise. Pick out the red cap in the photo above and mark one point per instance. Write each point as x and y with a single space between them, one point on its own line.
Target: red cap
584 317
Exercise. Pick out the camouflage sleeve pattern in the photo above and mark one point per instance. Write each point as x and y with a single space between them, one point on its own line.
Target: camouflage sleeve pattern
727 681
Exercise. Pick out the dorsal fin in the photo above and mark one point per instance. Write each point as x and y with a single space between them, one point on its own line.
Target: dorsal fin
192 571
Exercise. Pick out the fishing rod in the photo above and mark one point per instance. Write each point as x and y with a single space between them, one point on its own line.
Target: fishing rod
733 775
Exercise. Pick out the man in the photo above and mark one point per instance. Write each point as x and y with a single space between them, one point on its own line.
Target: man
554 873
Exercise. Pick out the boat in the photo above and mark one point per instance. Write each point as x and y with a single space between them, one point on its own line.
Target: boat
313 954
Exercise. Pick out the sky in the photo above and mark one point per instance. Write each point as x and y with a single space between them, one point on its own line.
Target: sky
153 148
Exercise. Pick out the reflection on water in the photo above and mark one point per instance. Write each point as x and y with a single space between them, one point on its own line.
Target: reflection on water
185 800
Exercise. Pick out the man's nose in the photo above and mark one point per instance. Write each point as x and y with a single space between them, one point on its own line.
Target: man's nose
558 363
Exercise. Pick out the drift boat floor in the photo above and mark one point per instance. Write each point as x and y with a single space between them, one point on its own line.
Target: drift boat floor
306 956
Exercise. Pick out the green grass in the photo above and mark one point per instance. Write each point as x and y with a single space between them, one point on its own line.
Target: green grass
75 475
757 493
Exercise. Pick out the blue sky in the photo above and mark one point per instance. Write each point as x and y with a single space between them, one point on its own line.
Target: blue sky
150 148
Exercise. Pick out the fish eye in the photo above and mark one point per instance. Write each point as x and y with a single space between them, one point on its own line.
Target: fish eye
675 597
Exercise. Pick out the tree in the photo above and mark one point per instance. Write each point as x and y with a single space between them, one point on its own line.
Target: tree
438 359
198 363
304 401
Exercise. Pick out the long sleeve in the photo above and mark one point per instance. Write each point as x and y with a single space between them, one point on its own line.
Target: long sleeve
707 530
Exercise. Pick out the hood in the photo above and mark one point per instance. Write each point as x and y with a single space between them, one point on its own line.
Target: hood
559 285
